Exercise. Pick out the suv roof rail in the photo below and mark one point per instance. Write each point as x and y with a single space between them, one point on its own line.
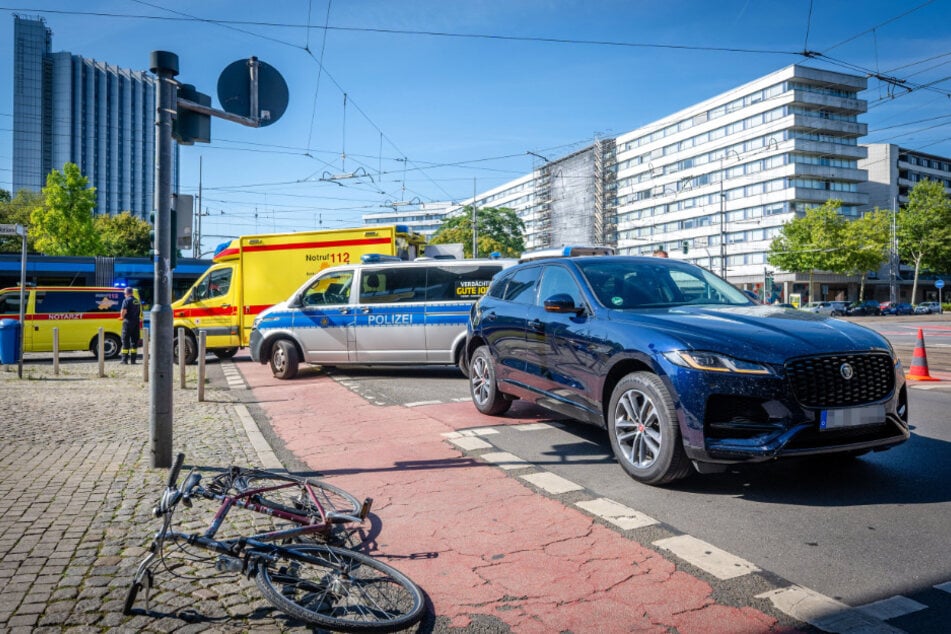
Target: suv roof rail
566 252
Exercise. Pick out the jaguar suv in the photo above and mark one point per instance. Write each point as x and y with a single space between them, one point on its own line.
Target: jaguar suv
680 368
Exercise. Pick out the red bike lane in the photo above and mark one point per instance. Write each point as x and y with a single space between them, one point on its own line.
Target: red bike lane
478 541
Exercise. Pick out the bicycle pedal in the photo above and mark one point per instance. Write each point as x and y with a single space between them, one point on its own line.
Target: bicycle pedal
365 509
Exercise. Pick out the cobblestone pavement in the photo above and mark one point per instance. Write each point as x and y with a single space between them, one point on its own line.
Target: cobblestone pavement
76 491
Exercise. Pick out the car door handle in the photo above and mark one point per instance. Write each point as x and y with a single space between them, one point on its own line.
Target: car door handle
536 324
344 311
366 310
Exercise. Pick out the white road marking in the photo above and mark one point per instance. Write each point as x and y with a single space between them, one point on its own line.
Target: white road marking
707 557
470 443
505 460
616 513
891 608
551 483
946 586
824 613
533 427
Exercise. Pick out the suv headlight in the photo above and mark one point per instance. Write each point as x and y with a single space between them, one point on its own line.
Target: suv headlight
715 362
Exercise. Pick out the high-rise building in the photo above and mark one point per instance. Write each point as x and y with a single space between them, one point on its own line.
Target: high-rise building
70 109
893 171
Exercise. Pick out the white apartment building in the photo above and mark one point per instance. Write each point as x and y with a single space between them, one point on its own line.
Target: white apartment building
715 182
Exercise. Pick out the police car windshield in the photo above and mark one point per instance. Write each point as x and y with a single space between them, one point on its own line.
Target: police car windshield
624 283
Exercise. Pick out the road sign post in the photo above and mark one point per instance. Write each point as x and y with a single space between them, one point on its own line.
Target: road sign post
939 284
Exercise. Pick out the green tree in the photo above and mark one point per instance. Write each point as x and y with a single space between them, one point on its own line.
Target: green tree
123 235
924 228
866 244
499 229
16 211
811 242
63 224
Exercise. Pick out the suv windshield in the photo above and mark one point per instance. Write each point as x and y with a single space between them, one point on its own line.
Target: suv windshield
633 283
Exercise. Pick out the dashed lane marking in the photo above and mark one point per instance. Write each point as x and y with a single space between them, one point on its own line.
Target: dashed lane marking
616 513
551 483
470 443
533 427
505 460
825 613
946 586
421 403
891 608
707 557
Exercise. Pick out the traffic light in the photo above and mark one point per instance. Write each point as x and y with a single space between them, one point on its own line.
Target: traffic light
685 246
189 126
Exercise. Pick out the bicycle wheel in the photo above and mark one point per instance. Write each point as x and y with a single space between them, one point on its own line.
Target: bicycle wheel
292 499
339 589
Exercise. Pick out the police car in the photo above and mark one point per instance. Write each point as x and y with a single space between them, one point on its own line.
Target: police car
374 313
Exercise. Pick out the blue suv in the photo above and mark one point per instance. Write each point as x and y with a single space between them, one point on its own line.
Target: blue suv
683 371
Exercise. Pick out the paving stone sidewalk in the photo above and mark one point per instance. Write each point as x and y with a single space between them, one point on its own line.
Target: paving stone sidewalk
76 491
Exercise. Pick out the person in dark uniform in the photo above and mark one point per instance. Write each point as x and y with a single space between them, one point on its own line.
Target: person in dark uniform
130 314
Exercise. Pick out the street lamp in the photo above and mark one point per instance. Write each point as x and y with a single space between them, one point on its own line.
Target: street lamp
723 158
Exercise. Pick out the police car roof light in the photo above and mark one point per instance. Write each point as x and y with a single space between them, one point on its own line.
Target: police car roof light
376 258
566 252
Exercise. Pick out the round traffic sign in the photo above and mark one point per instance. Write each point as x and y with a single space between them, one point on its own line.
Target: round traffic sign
939 283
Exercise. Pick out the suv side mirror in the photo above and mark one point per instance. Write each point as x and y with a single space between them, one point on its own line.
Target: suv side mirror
562 303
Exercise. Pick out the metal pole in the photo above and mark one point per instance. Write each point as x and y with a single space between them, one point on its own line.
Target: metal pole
23 231
475 228
722 219
196 247
893 258
165 65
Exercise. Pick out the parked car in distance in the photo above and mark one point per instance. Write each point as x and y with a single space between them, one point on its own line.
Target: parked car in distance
865 307
897 308
681 369
832 309
927 308
811 307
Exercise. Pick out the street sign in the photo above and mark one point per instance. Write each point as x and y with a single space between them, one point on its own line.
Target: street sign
11 230
939 283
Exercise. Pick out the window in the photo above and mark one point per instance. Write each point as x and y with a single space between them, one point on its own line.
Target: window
393 284
452 283
556 280
329 289
521 286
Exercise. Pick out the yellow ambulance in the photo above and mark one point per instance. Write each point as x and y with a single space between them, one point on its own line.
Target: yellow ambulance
76 311
252 273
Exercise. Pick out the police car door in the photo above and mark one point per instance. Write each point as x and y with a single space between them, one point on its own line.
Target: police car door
390 325
324 323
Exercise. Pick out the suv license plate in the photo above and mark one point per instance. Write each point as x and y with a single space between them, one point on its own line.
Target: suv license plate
852 417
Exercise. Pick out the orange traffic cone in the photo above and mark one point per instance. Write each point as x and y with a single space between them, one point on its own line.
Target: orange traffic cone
919 362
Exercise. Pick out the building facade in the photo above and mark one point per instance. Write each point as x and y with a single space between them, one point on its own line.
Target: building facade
893 171
714 183
70 109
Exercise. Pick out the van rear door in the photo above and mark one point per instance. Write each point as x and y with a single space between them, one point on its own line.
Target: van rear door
451 290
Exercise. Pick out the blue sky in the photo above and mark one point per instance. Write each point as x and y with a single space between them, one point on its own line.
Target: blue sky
444 97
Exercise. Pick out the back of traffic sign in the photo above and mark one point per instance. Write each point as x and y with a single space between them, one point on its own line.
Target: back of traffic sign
235 91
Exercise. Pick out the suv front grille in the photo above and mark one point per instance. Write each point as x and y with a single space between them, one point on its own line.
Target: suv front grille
819 382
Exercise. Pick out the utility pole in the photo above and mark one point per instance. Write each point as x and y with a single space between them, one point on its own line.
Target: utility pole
165 65
475 227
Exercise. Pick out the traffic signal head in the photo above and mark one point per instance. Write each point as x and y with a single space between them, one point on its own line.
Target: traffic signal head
685 246
189 126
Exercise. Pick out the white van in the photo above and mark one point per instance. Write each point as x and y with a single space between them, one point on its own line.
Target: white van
377 313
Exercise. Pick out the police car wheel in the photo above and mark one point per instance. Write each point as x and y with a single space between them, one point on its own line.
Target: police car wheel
284 360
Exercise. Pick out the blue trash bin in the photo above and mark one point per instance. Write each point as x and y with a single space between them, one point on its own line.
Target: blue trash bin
9 341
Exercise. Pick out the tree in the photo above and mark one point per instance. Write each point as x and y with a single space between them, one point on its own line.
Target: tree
123 235
16 211
923 229
499 230
866 244
63 225
811 243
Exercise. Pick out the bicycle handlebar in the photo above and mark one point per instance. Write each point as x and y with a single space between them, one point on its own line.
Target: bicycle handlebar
173 473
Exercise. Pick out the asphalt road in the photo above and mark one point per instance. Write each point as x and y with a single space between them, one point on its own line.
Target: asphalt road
858 531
